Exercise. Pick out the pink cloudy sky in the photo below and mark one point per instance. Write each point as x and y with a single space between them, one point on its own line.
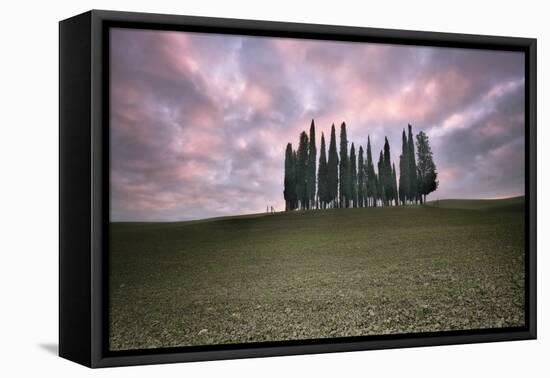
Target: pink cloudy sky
200 122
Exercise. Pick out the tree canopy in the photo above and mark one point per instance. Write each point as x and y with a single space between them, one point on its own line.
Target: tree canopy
353 176
322 176
344 168
311 167
427 172
332 176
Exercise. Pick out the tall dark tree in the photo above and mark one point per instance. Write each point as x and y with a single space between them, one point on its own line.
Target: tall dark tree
301 171
295 203
361 187
332 169
322 177
344 168
372 180
395 191
311 167
387 174
353 176
404 184
427 172
376 190
381 187
290 179
413 180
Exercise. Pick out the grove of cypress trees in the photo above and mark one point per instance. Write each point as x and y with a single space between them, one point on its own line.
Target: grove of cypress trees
353 176
301 171
332 169
361 179
344 180
344 167
322 177
311 167
413 181
427 173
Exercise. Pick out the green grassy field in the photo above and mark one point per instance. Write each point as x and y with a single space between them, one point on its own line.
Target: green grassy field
516 203
316 274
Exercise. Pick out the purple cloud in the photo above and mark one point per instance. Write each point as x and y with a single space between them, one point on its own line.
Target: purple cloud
199 122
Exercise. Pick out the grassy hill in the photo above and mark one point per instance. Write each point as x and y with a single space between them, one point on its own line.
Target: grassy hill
304 275
480 204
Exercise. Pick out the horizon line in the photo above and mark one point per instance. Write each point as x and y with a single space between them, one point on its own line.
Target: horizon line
220 217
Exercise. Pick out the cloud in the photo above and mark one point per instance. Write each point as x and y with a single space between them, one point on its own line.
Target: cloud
487 147
199 122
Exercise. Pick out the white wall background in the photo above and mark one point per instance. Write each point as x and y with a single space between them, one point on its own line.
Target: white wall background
29 174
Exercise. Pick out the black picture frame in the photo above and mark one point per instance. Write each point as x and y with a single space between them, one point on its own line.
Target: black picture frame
84 186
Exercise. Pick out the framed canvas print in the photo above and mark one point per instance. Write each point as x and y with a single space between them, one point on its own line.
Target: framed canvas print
234 188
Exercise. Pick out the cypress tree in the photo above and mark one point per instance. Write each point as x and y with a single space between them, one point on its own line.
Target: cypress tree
376 190
427 172
387 173
404 184
372 192
413 181
395 192
381 179
290 187
332 168
294 201
344 167
301 171
361 179
311 167
322 177
353 176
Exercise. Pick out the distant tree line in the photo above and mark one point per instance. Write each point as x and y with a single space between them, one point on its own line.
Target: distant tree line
344 180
